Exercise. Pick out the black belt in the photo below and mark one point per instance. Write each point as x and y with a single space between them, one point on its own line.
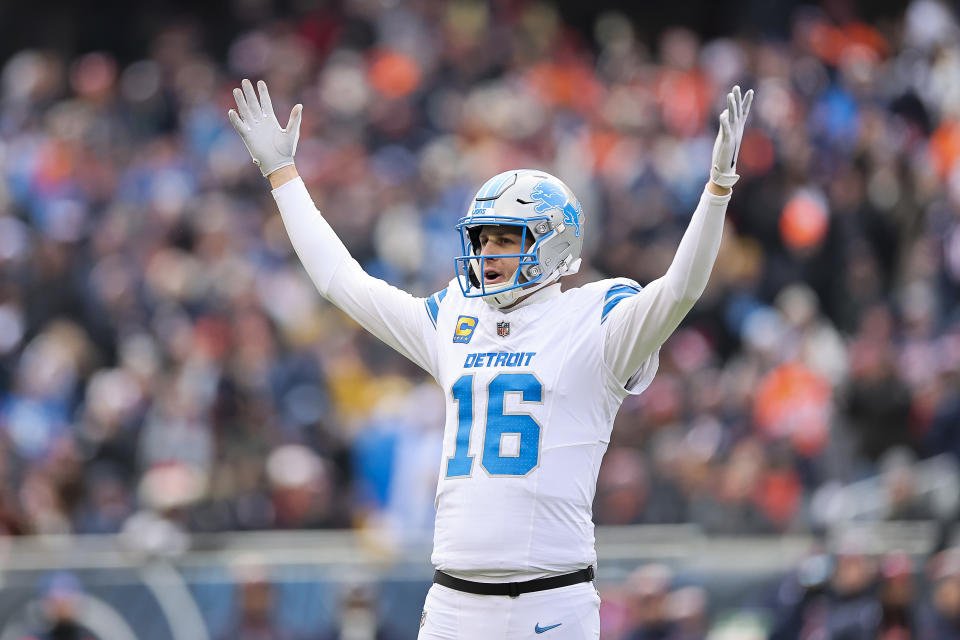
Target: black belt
513 589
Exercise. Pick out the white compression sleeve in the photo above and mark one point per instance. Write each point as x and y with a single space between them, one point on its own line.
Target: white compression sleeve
638 325
394 316
318 246
691 267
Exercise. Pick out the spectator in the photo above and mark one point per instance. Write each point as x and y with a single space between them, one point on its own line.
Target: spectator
688 613
899 482
359 618
648 590
941 619
801 602
854 610
897 594
254 618
878 400
60 611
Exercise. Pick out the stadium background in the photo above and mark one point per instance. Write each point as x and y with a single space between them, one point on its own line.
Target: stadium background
193 444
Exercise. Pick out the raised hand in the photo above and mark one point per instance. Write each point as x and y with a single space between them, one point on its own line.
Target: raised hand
270 146
723 171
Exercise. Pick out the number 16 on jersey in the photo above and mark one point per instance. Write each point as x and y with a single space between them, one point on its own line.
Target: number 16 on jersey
500 428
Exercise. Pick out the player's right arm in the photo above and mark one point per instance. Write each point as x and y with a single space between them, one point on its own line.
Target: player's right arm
399 319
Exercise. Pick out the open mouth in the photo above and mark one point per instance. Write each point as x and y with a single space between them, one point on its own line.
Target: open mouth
492 276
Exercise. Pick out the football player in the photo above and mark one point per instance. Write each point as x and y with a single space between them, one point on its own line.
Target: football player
533 375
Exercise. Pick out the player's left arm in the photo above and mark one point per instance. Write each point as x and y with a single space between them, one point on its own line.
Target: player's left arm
636 323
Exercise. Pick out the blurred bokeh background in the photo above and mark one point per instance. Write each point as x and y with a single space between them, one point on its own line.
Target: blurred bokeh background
193 444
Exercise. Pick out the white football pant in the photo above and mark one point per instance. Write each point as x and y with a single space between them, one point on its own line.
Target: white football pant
567 613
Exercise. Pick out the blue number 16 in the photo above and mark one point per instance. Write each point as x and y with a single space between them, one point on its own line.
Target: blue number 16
498 425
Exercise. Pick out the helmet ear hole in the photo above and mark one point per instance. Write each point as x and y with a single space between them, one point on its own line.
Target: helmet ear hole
474 233
472 274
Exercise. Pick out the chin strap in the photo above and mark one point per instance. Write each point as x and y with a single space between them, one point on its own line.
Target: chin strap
505 299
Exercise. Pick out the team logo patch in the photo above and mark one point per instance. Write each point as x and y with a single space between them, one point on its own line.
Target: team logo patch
423 618
503 329
463 330
549 196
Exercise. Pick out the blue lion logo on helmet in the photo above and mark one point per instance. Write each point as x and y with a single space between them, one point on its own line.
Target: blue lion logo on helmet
549 196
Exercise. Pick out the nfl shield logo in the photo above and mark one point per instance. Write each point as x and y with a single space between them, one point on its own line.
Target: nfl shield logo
503 329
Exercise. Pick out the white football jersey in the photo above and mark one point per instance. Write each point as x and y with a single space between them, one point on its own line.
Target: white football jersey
530 407
531 392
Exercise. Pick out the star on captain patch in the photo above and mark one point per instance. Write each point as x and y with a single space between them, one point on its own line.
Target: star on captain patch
503 329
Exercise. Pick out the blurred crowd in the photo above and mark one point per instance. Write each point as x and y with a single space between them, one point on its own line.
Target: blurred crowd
167 367
849 595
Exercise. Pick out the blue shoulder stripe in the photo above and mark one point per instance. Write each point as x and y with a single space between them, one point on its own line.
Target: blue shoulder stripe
432 305
622 288
614 295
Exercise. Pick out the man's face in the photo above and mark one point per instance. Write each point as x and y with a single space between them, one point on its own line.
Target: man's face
501 240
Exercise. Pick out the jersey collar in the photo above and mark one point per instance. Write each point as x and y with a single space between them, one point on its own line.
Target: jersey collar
548 292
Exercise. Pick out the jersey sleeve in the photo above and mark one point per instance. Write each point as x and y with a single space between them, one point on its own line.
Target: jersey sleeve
405 322
637 320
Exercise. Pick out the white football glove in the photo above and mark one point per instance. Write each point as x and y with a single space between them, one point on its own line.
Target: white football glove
270 146
723 171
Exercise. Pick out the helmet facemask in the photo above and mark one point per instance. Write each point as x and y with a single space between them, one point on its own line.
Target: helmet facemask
544 211
471 266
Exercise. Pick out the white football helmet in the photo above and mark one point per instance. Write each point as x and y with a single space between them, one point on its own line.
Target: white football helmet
543 207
